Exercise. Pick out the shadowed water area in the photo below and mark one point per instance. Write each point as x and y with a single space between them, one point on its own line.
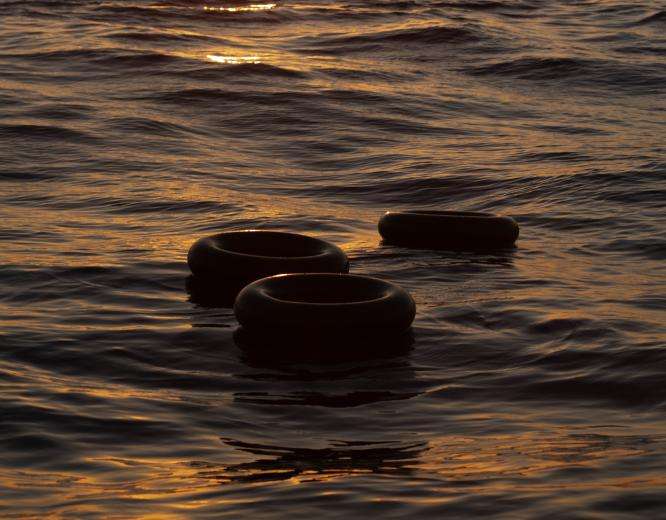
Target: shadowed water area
535 384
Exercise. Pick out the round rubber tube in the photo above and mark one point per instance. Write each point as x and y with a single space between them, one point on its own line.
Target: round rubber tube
328 305
250 255
448 229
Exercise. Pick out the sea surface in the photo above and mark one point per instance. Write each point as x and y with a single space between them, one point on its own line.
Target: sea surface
535 386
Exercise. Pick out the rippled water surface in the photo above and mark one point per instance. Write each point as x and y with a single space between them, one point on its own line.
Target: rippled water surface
535 386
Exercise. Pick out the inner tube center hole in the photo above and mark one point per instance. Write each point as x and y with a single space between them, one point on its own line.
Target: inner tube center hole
328 291
267 245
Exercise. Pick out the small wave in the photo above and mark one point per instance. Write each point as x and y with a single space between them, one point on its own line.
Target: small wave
618 8
644 198
59 112
534 68
25 174
366 75
343 400
630 503
128 206
60 55
539 157
136 59
641 79
488 5
194 95
428 35
132 429
433 35
639 393
163 37
7 100
45 132
625 187
572 130
657 18
146 126
12 235
109 59
642 50
648 248
41 3
238 71
421 190
570 222
198 12
156 62
220 96
647 301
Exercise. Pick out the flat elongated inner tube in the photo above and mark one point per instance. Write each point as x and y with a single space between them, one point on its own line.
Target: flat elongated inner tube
448 229
328 304
250 255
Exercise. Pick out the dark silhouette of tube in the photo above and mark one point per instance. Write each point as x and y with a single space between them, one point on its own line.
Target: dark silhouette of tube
250 255
457 230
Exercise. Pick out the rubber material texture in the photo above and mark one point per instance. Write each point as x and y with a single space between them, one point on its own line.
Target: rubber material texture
250 255
448 230
324 305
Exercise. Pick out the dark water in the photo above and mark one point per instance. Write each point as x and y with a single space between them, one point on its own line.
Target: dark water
536 383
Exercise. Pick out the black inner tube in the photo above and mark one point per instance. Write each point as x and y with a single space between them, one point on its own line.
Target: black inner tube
455 230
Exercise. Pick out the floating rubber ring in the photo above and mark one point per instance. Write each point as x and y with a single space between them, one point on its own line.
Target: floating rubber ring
326 305
250 255
448 229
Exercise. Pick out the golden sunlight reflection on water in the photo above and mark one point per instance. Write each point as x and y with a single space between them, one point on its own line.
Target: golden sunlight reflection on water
133 136
234 9
233 60
449 467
